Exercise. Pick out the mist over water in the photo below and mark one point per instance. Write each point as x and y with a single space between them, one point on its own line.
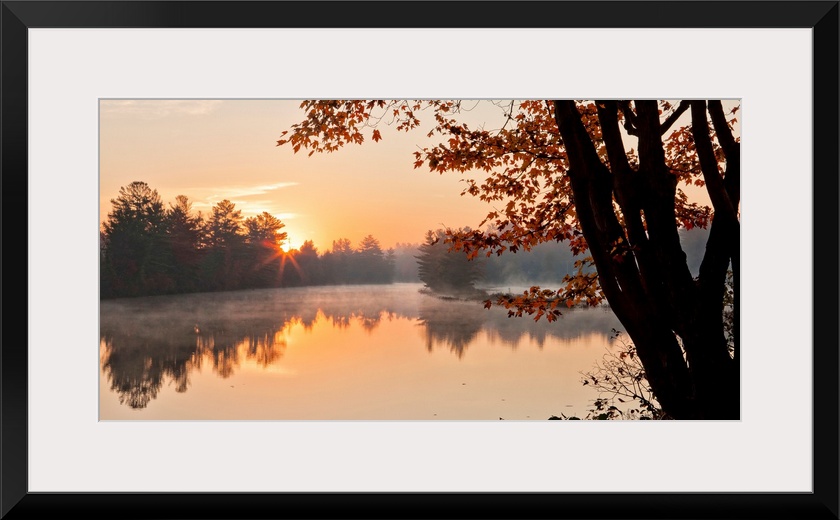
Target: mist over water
358 352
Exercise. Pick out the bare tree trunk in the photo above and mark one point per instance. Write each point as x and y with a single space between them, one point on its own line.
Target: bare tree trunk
643 272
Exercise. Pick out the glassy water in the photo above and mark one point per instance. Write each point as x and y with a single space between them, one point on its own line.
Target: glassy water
375 352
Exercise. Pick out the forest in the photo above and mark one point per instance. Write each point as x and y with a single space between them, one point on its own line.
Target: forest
149 249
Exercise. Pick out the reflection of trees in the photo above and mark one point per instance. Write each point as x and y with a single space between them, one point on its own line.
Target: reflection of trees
149 342
358 305
154 341
226 342
138 365
453 325
367 320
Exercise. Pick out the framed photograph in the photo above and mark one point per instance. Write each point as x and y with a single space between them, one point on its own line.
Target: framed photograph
187 259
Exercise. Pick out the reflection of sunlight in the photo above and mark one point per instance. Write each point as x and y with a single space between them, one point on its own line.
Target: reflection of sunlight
278 369
337 343
103 350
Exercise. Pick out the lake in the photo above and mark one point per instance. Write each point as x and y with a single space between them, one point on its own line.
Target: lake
362 352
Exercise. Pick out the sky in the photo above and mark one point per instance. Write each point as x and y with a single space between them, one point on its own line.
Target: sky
210 150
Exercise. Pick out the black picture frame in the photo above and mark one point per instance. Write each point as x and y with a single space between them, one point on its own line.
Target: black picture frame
19 16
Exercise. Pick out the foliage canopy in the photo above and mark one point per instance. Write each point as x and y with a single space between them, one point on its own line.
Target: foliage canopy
608 177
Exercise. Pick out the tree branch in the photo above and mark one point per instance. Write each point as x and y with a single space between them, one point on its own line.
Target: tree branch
723 244
731 151
669 122
629 117
592 188
671 284
724 134
708 163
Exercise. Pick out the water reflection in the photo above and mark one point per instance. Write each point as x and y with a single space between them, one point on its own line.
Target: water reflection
452 326
455 325
147 343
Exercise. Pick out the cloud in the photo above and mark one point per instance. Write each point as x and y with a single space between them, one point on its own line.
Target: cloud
248 208
257 210
259 190
157 108
242 197
231 192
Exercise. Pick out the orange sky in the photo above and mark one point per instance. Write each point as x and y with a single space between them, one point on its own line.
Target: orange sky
210 150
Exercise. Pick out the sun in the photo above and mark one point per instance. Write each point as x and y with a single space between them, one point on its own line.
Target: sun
289 245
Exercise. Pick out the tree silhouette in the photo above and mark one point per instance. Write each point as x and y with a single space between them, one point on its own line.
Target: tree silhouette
370 246
265 228
223 265
184 238
225 224
310 264
135 259
265 257
371 264
445 271
604 176
147 250
336 262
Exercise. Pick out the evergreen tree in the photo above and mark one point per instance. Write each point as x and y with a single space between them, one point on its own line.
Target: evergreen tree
370 264
135 260
184 236
265 264
310 264
445 271
222 267
265 228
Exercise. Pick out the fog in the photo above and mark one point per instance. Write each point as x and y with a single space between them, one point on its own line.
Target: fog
545 264
152 341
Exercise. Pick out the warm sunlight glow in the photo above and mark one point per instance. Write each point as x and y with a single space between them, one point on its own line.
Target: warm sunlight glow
341 353
226 149
214 199
290 245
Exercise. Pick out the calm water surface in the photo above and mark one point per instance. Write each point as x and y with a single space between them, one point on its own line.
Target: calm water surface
377 352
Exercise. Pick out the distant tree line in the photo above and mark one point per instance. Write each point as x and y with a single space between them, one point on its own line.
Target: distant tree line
450 272
149 249
445 270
